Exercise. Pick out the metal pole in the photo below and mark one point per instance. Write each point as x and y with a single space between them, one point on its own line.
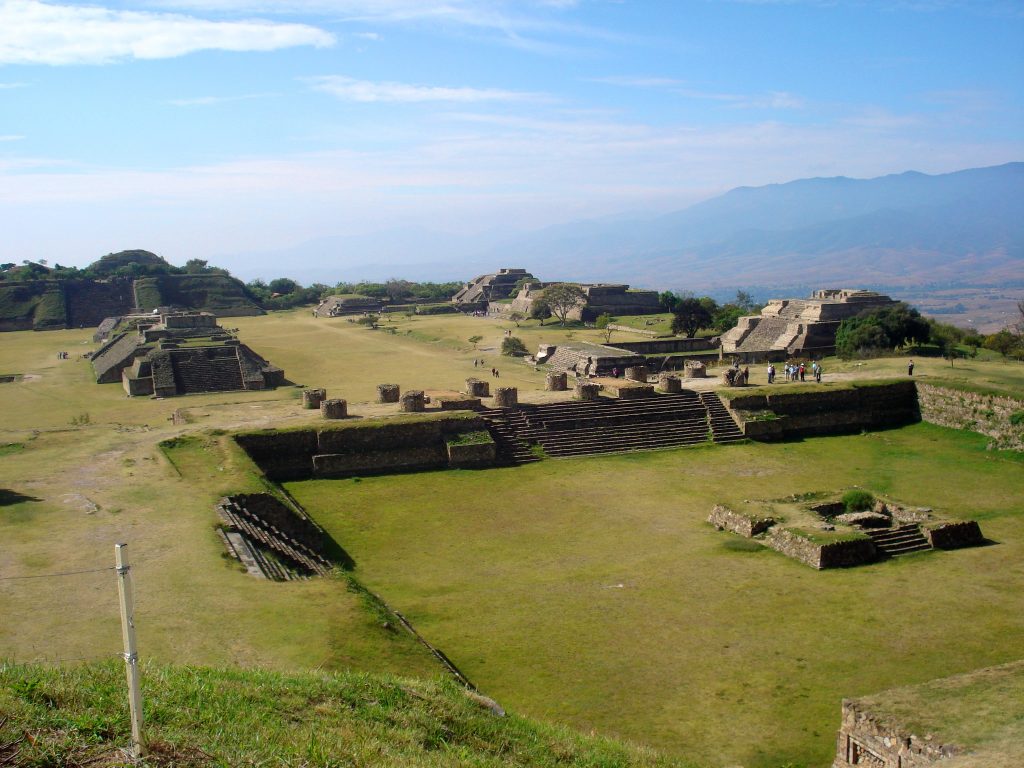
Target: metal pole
131 657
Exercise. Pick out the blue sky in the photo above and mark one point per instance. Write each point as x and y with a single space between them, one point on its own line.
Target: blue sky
198 128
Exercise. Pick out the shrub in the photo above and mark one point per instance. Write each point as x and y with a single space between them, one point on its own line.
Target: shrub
1017 418
858 500
513 346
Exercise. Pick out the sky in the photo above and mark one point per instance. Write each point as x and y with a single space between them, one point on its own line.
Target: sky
206 128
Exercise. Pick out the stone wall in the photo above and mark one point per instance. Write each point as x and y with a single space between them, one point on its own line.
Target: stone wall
747 526
985 414
869 742
371 446
953 535
825 411
668 346
478 453
836 554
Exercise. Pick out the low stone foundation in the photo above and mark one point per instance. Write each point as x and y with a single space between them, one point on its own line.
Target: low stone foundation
670 384
472 450
458 403
412 401
748 526
335 408
953 535
313 398
506 397
636 392
637 373
987 415
556 382
478 388
837 554
388 393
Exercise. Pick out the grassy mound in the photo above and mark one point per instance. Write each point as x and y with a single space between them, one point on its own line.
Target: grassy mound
222 294
194 716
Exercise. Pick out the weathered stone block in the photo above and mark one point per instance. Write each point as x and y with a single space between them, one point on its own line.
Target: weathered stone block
412 401
478 388
506 397
312 398
387 393
556 382
587 391
695 369
745 525
637 373
458 403
636 392
670 384
965 533
335 408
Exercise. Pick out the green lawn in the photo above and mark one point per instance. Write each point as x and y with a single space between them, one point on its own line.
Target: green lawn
592 591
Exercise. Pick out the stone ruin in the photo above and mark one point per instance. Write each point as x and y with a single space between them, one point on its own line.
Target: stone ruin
822 534
877 731
798 327
182 353
599 299
387 393
312 399
352 304
485 288
735 376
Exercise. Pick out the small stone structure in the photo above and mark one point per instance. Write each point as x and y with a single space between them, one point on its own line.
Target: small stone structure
497 285
953 535
670 384
635 391
637 373
313 398
181 353
836 554
506 397
598 299
748 526
478 388
798 327
937 723
695 369
338 306
388 393
556 381
587 391
458 403
335 408
412 401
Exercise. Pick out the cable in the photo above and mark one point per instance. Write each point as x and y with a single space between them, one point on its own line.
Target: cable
54 575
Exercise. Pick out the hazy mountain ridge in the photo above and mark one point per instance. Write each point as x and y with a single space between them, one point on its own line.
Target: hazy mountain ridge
904 229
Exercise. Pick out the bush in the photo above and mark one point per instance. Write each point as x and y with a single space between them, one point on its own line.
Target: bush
513 346
1017 418
858 500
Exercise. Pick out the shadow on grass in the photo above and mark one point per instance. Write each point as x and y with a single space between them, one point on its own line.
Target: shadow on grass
9 498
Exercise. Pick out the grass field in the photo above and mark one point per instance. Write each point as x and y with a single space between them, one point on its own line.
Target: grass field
707 649
593 592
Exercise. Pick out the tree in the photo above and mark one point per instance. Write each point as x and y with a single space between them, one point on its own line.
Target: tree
513 346
370 321
603 323
668 300
1002 342
516 317
283 286
563 298
539 310
522 282
946 337
858 337
397 289
744 301
689 316
196 266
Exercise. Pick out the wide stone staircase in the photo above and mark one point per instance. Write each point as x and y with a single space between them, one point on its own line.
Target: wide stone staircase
764 335
506 425
250 538
901 540
207 370
581 428
723 426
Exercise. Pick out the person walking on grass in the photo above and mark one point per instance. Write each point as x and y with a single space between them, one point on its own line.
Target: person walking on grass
910 368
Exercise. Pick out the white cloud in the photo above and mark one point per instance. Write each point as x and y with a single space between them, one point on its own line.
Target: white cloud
374 36
350 89
11 137
206 101
11 86
33 32
769 100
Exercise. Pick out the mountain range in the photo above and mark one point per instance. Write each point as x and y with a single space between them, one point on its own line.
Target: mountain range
907 229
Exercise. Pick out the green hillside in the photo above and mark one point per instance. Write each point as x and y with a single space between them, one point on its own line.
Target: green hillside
195 716
221 294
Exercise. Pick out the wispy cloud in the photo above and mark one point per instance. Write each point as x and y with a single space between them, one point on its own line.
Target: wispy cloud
33 32
11 137
769 100
12 86
350 89
206 101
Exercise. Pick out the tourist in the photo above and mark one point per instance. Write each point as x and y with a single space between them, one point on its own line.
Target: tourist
910 368
803 372
771 373
817 373
615 372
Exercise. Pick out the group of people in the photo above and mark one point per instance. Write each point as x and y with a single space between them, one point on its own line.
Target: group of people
62 355
795 372
479 363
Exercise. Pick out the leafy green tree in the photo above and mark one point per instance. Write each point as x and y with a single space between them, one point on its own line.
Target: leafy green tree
513 346
603 323
563 298
689 316
539 310
516 317
283 286
858 337
1003 342
398 289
